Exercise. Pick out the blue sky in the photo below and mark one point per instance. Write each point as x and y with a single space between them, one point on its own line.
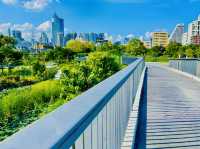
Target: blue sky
115 17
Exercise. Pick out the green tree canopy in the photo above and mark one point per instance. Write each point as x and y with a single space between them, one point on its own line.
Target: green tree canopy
58 54
135 47
189 53
174 50
7 41
79 46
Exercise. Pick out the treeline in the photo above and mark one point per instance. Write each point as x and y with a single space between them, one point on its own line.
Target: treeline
174 50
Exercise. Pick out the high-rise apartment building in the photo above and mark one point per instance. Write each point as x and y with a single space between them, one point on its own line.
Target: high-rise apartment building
160 39
196 40
177 34
194 31
185 38
57 31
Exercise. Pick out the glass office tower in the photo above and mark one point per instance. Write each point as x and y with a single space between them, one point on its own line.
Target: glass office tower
57 31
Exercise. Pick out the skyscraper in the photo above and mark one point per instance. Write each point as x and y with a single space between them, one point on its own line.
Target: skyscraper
9 32
17 35
101 37
70 36
177 33
93 37
57 31
44 38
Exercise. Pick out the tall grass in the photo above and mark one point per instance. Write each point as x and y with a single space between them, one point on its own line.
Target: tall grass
22 106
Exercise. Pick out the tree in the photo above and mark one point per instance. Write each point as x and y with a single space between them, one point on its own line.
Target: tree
189 53
173 50
102 65
9 57
107 46
38 69
79 46
58 54
136 47
78 77
156 51
7 41
197 52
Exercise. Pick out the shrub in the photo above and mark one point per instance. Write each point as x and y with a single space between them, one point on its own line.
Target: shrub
50 73
24 104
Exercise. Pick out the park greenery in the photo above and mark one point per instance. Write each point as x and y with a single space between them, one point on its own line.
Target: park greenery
28 84
29 90
162 54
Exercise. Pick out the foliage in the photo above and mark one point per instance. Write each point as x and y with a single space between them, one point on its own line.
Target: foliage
174 50
107 46
135 47
58 54
9 57
102 65
79 77
156 51
7 41
79 46
164 58
24 105
189 53
39 69
50 73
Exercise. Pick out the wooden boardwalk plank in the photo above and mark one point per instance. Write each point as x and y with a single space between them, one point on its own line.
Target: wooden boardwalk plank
170 111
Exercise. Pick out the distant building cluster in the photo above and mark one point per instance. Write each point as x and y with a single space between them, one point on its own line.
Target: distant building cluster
58 38
178 35
192 36
157 39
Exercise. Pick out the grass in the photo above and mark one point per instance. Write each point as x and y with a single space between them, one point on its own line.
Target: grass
20 107
162 59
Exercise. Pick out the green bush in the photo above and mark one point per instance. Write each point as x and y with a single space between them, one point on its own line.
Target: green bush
50 73
25 104
78 77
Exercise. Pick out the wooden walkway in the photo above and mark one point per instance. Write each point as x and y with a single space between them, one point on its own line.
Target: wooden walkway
169 112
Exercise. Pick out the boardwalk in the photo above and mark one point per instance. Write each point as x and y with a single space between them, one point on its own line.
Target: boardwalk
170 111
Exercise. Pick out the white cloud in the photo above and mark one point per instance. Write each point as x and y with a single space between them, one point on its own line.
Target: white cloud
4 27
36 4
9 2
130 36
28 30
44 27
148 35
23 27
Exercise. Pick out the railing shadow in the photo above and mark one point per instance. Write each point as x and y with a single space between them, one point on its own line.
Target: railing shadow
141 137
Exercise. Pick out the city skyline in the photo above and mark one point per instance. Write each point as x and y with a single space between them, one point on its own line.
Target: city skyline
98 16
